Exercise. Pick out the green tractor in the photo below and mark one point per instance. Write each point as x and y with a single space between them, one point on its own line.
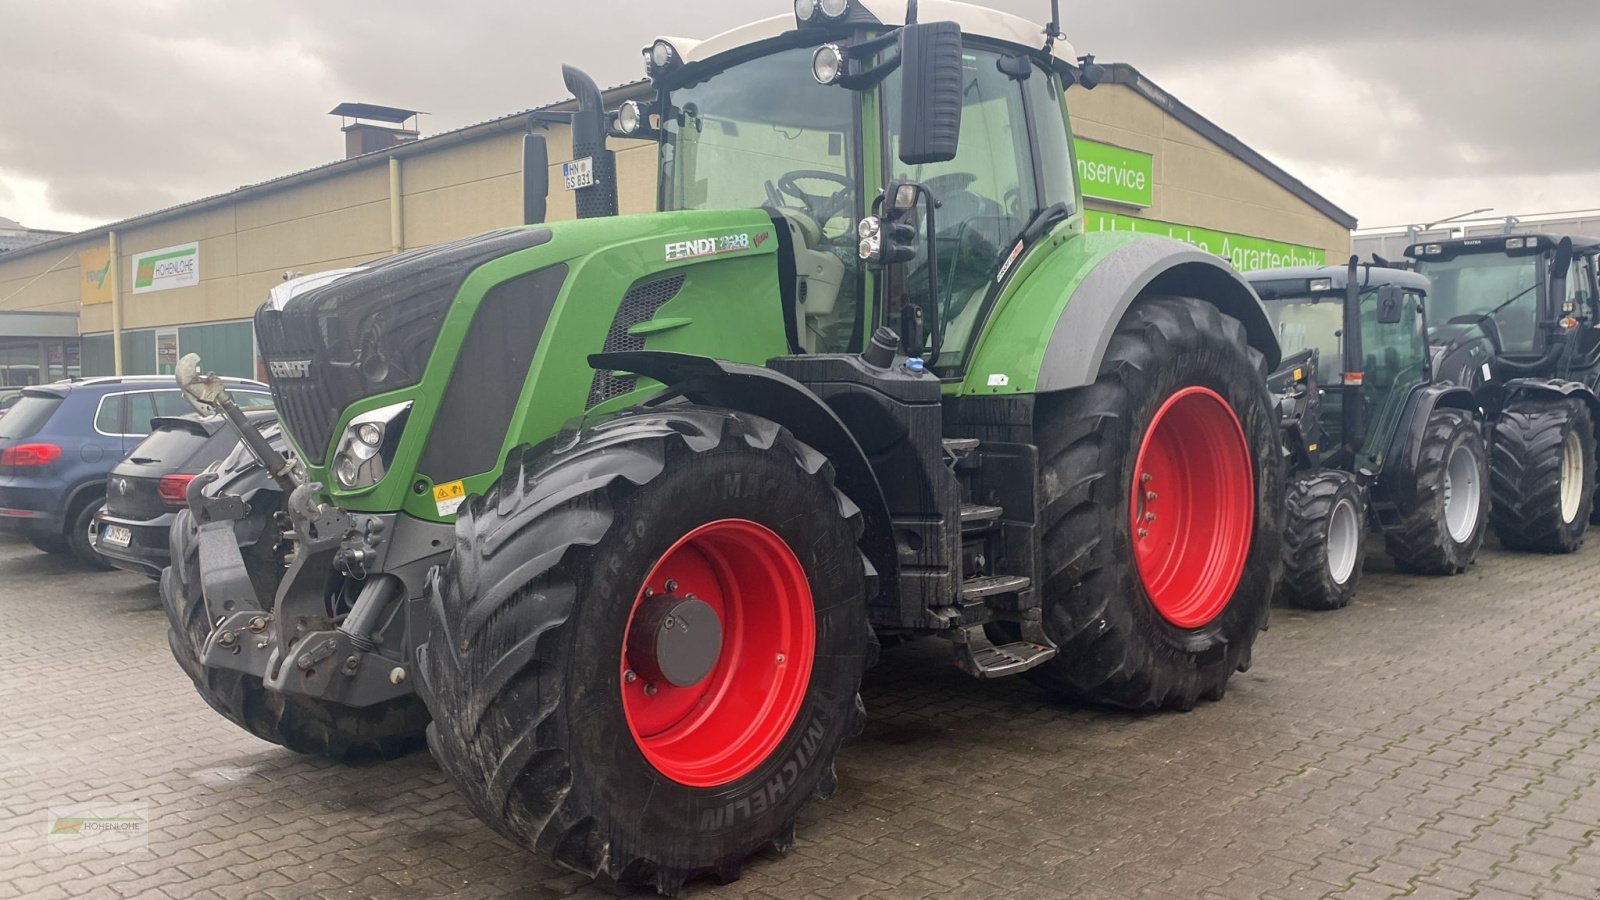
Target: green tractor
1519 325
622 504
1369 438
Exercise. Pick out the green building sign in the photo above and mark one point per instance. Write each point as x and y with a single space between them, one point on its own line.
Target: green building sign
1246 253
1116 174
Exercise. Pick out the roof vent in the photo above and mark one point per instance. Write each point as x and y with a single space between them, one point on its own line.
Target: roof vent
366 137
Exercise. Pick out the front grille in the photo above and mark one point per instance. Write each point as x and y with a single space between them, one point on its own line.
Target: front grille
639 305
367 333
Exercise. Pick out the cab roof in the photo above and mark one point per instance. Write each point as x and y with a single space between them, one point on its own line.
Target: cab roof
1496 243
975 20
1296 281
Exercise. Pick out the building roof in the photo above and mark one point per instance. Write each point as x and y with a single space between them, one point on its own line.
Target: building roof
1119 73
1128 76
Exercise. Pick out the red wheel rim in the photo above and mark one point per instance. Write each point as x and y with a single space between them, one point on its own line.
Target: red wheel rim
723 727
1193 507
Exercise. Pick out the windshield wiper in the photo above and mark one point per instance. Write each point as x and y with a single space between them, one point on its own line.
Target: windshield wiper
1520 294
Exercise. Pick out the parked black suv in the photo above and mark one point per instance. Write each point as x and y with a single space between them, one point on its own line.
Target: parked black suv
145 491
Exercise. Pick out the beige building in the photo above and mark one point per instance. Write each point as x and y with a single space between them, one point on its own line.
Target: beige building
187 279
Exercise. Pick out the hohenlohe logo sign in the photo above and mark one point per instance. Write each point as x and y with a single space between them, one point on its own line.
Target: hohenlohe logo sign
167 268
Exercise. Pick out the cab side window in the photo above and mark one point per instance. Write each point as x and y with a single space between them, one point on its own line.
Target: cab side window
986 195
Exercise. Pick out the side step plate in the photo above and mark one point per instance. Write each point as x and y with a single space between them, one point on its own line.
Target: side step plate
981 659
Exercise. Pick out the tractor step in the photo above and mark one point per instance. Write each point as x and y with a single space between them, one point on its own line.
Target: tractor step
976 518
960 446
991 585
978 658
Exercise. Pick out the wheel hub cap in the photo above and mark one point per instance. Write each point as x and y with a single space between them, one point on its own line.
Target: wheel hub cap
677 640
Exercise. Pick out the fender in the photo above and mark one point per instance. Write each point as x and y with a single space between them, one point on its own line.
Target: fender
771 395
1552 388
1399 478
1052 330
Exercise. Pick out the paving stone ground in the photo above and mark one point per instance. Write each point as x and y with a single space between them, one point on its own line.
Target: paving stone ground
1437 739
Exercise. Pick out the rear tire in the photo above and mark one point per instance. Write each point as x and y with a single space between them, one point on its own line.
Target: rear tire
302 724
79 531
1542 475
1443 531
1116 646
1324 543
530 640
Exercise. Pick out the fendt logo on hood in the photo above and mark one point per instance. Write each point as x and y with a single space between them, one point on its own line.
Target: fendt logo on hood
290 368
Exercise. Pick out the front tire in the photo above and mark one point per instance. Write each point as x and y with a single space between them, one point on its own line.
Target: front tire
556 709
1178 423
1542 475
1442 532
1324 544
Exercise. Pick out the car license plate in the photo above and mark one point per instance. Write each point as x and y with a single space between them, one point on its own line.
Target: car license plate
116 536
579 173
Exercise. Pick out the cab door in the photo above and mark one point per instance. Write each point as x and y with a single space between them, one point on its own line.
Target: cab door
985 197
1397 362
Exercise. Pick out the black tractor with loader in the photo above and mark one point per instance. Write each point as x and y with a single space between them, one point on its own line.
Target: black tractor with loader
1517 321
1370 440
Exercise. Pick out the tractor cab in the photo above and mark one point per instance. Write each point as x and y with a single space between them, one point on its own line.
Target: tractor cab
1359 335
908 154
1512 305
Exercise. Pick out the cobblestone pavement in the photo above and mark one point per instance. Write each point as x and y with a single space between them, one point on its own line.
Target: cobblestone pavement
1437 739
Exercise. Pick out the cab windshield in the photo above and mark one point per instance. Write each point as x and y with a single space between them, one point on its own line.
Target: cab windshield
1505 288
764 133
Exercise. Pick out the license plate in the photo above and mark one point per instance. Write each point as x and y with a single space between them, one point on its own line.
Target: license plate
116 536
578 174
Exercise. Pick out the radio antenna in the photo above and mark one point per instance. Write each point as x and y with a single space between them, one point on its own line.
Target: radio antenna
1053 30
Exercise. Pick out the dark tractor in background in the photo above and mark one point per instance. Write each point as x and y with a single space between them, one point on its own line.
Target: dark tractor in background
1516 321
145 492
1368 436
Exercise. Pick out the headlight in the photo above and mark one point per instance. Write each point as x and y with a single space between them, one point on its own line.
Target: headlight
833 9
1515 243
1321 284
827 64
805 9
630 117
367 449
662 54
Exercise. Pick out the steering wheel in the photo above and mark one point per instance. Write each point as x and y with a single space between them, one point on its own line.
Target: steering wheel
789 184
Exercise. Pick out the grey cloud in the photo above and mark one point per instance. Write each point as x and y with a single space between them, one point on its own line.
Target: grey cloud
122 110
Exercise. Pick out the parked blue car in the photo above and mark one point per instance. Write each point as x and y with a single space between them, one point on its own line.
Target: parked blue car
59 441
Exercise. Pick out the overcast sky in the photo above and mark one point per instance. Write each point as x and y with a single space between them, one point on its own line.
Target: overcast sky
1398 112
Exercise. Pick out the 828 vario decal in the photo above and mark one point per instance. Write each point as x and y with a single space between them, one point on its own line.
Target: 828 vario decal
713 246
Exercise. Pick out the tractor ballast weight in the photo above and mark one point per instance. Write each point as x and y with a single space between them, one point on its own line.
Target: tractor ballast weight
1370 440
556 461
1523 333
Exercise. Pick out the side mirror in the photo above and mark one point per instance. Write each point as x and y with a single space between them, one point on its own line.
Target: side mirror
535 178
1391 304
930 93
1560 271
